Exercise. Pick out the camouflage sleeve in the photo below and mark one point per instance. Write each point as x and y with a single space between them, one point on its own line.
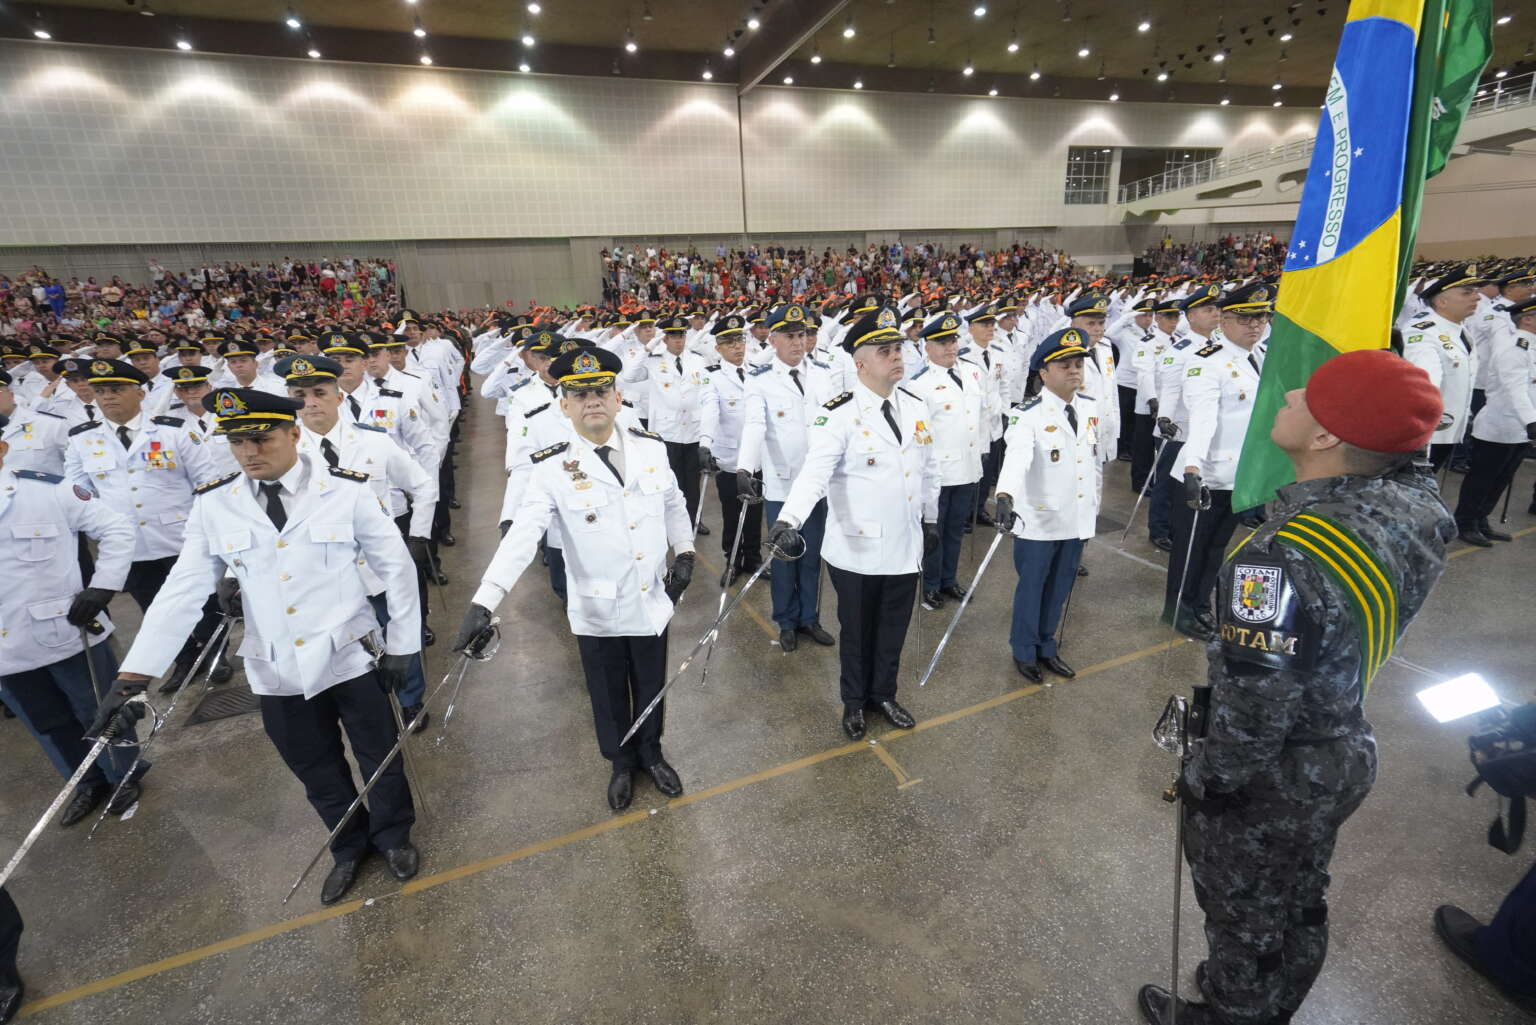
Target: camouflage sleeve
1274 627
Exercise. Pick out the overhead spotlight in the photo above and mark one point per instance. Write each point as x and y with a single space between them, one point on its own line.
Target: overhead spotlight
41 33
524 67
1286 37
411 2
1113 97
754 24
1034 76
645 13
419 31
183 44
789 79
992 91
1277 86
528 39
707 74
729 51
1013 45
630 45
314 53
1083 50
291 19
848 29
816 55
858 83
931 39
534 9
1505 18
1219 56
980 11
968 70
1144 26
426 58
1501 73
1277 103
1225 102
1162 76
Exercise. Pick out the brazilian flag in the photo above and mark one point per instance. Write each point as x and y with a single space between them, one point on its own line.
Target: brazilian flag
1405 73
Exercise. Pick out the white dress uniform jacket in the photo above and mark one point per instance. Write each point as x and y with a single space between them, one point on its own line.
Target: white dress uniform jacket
1442 349
994 366
725 412
775 429
303 589
392 473
1221 381
150 483
39 518
616 534
1099 385
677 396
1052 472
1170 381
37 440
416 395
1511 391
1149 356
386 407
1487 323
956 400
879 491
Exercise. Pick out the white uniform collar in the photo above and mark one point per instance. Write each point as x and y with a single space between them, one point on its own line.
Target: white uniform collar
293 482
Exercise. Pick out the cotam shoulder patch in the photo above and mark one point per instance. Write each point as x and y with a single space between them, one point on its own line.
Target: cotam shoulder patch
1255 593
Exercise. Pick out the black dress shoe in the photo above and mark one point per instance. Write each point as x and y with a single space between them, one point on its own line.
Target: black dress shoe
428 638
788 640
1156 1005
817 634
1459 932
703 530
408 714
339 880
86 800
933 601
178 673
454 503
447 541
1057 666
897 716
954 591
11 992
666 779
853 723
1163 543
1461 466
1192 626
984 519
222 671
126 798
1473 536
439 578
1492 533
1029 670
1082 571
404 861
621 789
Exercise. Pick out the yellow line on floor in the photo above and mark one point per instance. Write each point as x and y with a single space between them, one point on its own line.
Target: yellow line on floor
606 826
1458 553
903 779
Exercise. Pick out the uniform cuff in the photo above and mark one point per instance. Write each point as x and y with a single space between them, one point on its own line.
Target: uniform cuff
488 596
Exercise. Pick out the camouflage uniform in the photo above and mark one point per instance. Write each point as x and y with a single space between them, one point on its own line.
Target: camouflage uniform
1309 608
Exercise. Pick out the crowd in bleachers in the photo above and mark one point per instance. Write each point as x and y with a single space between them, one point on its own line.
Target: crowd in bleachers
1257 253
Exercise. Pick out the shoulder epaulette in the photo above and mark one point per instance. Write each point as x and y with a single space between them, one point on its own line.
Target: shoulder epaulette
1183 343
963 351
1029 403
407 373
1210 350
907 393
819 363
46 478
1521 343
215 483
177 405
838 401
81 428
44 412
637 432
391 393
626 402
521 381
346 474
655 355
168 421
1421 325
762 369
553 450
1090 398
370 427
535 411
923 371
712 367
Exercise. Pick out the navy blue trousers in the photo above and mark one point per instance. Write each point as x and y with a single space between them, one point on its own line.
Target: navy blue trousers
794 583
1160 501
1507 945
1047 571
940 566
58 703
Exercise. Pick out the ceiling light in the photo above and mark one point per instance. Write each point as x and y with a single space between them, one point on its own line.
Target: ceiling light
292 19
1144 26
1083 51
1034 76
528 39
314 53
707 74
419 31
816 55
858 83
992 91
524 68
1162 76
848 30
1276 86
645 13
1113 97
1501 73
630 45
968 70
729 51
980 11
789 79
1275 104
754 24
534 9
1505 18
1225 102
1219 56
426 58
1286 37
412 2
931 39
42 33
183 44
1013 45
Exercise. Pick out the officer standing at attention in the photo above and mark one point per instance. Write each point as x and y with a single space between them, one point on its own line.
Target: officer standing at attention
1504 428
42 665
955 391
871 458
36 438
1309 609
784 396
1171 418
1048 498
1088 314
1221 381
677 380
1440 346
619 509
725 409
981 327
297 534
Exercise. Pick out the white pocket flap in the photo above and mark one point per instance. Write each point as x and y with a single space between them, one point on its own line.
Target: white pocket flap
229 541
326 533
590 498
252 646
653 484
27 531
354 629
54 608
872 528
596 589
174 517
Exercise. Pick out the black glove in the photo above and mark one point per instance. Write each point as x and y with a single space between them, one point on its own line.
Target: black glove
786 539
679 576
1003 514
748 488
1152 406
421 553
115 712
930 537
707 459
1530 431
476 625
504 526
228 593
392 670
88 604
1167 428
1195 495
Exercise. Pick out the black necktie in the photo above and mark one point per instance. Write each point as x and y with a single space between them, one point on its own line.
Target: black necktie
122 436
1072 417
1253 361
90 412
890 418
273 493
741 374
602 453
956 378
379 381
794 375
986 358
1464 343
329 451
679 362
357 411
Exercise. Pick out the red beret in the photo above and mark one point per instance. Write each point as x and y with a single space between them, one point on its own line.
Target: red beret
1375 400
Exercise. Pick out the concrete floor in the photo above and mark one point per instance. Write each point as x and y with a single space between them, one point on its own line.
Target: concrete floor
1009 861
